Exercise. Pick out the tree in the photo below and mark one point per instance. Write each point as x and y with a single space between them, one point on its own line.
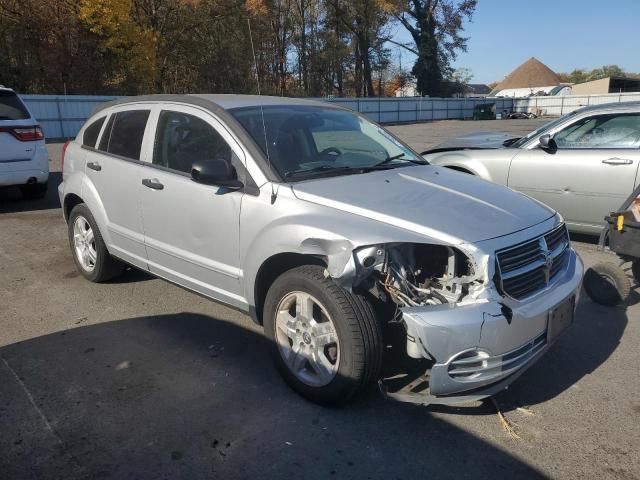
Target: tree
435 26
462 76
128 47
364 19
580 75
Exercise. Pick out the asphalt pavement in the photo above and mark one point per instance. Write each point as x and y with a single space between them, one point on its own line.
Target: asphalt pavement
138 378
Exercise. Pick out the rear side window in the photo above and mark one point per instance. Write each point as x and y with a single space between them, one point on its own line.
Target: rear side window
124 132
11 107
90 135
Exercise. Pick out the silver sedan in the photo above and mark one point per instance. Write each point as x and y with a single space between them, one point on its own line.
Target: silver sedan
583 165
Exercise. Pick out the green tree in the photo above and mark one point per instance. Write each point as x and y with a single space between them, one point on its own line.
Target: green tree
435 27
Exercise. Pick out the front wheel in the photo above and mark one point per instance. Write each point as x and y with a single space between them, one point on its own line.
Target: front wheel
326 342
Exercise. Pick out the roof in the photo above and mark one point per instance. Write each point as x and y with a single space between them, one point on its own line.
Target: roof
224 101
228 101
530 74
632 106
480 88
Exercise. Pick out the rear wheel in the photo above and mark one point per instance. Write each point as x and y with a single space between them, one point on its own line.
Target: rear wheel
87 246
33 191
326 342
607 284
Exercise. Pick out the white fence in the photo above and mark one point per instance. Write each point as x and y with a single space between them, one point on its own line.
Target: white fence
417 109
62 116
557 106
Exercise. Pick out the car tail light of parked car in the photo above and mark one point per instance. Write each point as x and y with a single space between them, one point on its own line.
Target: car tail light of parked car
25 134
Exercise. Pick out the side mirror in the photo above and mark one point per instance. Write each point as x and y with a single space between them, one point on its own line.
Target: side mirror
547 143
217 172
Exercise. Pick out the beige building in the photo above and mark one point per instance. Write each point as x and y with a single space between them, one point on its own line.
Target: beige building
607 85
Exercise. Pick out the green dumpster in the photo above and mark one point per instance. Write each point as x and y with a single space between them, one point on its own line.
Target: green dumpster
484 111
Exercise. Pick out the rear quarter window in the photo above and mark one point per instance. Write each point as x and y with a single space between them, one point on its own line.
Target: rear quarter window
90 135
124 133
11 107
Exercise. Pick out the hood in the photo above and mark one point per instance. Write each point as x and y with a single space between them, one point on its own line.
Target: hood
474 140
440 203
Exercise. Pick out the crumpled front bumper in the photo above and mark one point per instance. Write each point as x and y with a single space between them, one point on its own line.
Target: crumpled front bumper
477 349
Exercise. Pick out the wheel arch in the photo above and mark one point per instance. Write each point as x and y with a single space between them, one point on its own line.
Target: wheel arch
70 201
272 268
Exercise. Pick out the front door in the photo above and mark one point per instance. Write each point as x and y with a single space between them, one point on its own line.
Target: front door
191 229
589 175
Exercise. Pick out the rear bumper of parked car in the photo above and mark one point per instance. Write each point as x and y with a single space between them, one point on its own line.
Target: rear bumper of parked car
23 177
20 172
481 348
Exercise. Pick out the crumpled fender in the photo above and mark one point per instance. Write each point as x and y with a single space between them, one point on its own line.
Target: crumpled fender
315 230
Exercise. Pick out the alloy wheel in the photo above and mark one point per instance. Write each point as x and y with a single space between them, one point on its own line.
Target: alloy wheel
307 339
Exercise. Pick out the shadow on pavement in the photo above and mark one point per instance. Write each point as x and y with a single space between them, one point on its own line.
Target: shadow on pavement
590 341
11 200
189 396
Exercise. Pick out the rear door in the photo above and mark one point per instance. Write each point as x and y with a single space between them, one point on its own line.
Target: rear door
113 170
191 229
590 174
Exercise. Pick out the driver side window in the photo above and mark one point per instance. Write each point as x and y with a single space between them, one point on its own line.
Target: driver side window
182 139
602 131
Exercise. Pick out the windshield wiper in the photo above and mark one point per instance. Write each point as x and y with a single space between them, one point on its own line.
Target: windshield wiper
321 169
398 157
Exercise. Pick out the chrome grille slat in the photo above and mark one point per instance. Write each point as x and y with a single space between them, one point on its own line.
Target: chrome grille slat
529 267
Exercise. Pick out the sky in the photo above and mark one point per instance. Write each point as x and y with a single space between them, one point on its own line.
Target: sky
563 34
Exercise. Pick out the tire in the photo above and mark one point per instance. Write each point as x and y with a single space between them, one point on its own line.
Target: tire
33 191
607 284
99 266
346 324
635 269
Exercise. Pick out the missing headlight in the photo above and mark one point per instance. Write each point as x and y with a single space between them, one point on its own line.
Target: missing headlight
414 274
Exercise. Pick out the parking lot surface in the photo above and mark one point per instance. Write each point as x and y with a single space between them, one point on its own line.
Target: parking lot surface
138 378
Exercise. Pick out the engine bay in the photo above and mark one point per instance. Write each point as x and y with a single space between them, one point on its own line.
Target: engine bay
412 275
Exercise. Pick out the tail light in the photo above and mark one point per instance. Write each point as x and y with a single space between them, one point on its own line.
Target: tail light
25 134
64 151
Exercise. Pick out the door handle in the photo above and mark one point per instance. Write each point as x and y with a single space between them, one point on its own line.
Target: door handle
617 161
94 166
154 184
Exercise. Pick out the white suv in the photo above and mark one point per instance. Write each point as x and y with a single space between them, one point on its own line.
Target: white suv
23 155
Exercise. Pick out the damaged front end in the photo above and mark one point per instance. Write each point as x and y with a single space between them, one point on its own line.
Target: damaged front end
460 338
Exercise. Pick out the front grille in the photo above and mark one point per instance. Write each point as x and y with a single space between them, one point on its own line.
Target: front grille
477 365
529 267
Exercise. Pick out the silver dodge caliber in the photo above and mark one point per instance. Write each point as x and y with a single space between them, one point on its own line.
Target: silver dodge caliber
350 249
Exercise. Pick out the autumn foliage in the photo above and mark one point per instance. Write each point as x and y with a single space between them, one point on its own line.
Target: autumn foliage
300 47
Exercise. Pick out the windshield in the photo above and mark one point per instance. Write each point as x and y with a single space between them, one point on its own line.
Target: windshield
541 130
303 141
